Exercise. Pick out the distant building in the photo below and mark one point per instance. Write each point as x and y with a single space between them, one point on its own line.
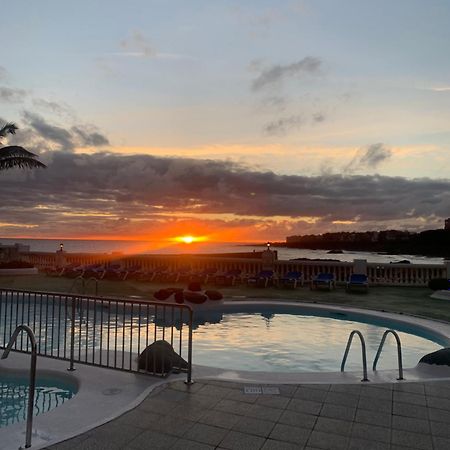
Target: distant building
447 224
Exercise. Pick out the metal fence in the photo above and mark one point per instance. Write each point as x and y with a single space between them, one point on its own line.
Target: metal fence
99 331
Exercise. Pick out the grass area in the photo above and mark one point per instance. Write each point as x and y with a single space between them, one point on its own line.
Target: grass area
407 300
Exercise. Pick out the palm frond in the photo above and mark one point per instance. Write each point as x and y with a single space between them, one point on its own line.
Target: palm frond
15 150
21 162
15 156
8 128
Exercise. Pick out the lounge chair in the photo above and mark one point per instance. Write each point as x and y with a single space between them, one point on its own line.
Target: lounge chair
261 279
203 276
358 281
325 280
291 280
229 278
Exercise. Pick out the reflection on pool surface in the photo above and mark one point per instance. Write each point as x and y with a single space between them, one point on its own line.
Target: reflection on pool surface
287 342
14 397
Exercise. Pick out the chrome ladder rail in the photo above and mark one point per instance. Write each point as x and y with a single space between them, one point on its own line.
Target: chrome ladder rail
30 408
399 352
363 351
75 284
95 281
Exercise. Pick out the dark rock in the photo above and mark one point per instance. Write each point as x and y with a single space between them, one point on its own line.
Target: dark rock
160 358
440 358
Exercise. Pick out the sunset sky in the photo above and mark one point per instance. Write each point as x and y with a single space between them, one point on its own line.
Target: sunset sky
229 120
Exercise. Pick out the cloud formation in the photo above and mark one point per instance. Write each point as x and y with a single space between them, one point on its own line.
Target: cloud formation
369 158
137 45
277 73
281 126
11 95
117 193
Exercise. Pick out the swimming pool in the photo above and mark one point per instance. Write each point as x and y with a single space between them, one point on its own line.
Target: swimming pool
50 393
291 339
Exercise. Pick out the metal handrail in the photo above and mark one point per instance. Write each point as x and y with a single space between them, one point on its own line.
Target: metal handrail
399 352
363 350
85 286
32 375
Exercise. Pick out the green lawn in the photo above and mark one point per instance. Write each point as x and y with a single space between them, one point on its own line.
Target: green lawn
406 300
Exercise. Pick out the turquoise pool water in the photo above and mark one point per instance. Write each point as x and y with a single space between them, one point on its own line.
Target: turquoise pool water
14 397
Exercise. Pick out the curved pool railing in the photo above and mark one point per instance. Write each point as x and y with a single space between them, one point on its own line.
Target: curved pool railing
363 351
30 407
399 352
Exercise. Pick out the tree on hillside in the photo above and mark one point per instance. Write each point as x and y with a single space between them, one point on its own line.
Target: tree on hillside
15 156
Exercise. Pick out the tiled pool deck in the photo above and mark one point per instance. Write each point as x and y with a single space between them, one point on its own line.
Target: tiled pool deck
219 415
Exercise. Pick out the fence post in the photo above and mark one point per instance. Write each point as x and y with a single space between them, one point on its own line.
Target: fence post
72 336
447 266
189 371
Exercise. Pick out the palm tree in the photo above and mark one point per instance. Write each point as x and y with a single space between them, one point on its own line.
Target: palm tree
15 156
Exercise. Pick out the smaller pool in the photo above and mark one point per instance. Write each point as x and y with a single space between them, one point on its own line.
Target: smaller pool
49 394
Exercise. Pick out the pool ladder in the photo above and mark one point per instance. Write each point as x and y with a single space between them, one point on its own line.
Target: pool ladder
377 356
30 407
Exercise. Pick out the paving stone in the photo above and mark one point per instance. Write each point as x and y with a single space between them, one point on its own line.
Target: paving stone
375 392
239 396
440 403
240 441
364 444
441 443
187 410
377 405
412 440
440 429
371 418
288 390
342 399
272 444
257 427
320 387
288 433
327 441
407 397
216 391
338 412
298 419
371 432
204 401
220 419
352 389
170 395
305 406
99 444
206 434
152 439
137 418
114 434
273 401
233 407
172 426
336 426
437 390
264 412
183 387
409 410
411 424
439 415
413 388
307 393
185 444
384 386
157 405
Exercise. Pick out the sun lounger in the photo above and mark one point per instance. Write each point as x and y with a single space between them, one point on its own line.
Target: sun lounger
358 281
291 280
261 279
229 278
323 280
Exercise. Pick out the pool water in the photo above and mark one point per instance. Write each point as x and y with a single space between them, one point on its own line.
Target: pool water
288 342
14 397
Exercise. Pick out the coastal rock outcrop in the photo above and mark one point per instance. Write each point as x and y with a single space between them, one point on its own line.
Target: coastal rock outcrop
160 358
439 357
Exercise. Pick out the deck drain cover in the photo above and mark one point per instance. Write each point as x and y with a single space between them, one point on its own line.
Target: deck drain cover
252 390
271 390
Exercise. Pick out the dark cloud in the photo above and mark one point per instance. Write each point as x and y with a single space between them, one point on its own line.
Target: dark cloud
143 188
318 117
11 95
369 158
276 73
42 135
54 107
90 138
281 126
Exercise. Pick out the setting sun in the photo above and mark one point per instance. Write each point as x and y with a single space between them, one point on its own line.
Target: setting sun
188 239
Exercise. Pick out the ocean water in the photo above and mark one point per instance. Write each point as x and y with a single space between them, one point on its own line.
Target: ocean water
150 247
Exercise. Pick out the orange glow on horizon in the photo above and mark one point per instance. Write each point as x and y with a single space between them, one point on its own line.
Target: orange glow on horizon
189 239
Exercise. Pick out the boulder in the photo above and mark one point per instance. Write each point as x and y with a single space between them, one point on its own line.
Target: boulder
160 358
440 357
